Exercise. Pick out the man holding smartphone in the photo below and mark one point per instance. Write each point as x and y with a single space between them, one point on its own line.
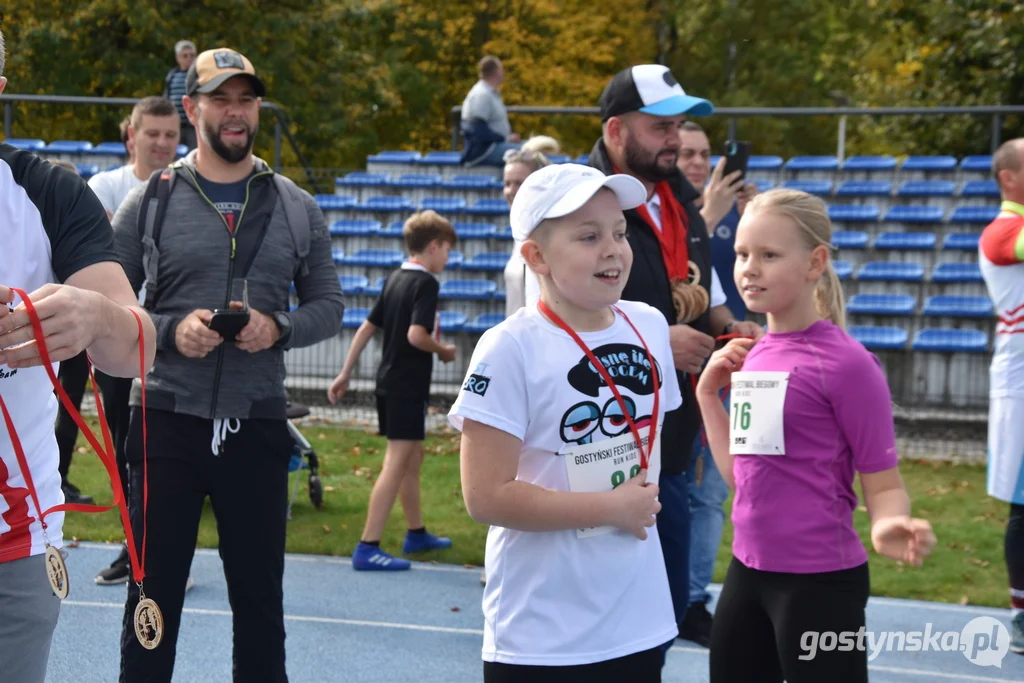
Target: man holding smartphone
225 229
642 110
725 196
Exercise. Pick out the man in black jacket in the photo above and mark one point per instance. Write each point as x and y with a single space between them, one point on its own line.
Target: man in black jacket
642 110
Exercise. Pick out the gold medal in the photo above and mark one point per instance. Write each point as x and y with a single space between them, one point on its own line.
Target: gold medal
57 572
149 623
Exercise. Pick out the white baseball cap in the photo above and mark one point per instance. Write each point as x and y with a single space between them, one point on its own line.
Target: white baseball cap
559 189
651 89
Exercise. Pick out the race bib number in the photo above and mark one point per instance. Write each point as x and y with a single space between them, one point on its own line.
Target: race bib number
602 466
756 413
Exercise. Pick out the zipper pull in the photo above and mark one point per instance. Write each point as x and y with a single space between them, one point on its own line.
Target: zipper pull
232 247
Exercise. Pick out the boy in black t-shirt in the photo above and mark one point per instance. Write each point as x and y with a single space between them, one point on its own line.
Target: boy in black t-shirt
406 309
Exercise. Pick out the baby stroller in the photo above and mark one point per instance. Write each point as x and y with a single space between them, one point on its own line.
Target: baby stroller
303 458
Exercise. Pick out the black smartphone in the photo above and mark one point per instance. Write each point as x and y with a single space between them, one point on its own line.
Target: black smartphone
228 322
737 154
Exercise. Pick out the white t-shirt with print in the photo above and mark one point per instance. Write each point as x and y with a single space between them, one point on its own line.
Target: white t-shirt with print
553 598
114 185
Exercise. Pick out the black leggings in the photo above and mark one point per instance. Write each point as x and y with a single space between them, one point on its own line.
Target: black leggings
762 620
1015 554
641 667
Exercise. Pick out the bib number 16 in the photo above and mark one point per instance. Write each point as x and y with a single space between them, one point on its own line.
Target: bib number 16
741 416
619 477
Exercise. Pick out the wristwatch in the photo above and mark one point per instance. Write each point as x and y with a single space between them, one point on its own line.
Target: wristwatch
284 325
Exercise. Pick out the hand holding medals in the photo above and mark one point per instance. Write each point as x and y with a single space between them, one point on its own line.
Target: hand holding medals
148 618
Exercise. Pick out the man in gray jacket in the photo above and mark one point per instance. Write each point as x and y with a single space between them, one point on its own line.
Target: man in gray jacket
215 403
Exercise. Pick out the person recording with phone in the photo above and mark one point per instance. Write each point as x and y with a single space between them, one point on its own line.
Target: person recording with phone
724 198
212 246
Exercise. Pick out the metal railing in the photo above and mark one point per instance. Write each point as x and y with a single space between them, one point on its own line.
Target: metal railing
281 129
732 113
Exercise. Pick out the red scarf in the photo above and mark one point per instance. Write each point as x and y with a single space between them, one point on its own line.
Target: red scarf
675 227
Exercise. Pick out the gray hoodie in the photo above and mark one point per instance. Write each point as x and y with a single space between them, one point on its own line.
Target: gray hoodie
196 268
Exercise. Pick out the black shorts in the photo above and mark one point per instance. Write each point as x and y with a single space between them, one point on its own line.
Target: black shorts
639 667
401 418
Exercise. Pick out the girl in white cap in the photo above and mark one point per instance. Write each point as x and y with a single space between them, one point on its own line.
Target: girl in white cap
560 416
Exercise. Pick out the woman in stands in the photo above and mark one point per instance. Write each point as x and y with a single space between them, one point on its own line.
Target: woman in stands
519 164
810 408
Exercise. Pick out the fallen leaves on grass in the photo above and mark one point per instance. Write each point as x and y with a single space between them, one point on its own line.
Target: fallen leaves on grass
964 600
329 489
327 529
979 562
355 450
364 472
937 491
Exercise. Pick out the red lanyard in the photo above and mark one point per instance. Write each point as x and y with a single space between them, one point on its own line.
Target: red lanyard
106 454
644 458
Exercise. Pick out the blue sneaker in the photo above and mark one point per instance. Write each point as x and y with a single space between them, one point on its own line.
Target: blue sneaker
372 558
1017 634
422 542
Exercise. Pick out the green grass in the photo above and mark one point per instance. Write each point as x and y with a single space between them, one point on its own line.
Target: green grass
966 567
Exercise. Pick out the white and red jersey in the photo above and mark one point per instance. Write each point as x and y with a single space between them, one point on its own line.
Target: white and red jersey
1001 257
51 226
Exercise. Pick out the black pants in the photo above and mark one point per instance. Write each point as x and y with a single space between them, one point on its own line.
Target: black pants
248 488
641 667
762 620
1015 554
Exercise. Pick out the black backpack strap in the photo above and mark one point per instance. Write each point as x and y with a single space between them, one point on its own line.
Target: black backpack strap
151 219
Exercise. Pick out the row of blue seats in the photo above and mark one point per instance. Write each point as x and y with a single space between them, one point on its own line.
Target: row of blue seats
113 149
973 163
889 271
450 321
370 228
477 290
942 340
492 261
481 207
905 241
420 180
886 188
934 306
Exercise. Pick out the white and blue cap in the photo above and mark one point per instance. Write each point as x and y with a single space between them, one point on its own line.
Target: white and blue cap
651 89
559 189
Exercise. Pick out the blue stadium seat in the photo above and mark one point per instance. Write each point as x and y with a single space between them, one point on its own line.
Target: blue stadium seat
455 260
335 202
350 228
354 317
394 157
338 256
958 306
980 188
490 260
440 159
850 239
844 269
954 341
468 289
864 188
559 158
484 322
67 147
812 163
927 188
585 159
504 234
964 241
891 272
31 144
822 188
882 304
974 214
870 163
381 258
392 230
376 288
866 213
452 321
499 295
388 204
914 214
87 170
488 207
468 182
114 149
474 231
763 185
362 179
929 163
957 272
905 240
353 284
977 162
182 151
417 180
764 163
443 204
880 338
